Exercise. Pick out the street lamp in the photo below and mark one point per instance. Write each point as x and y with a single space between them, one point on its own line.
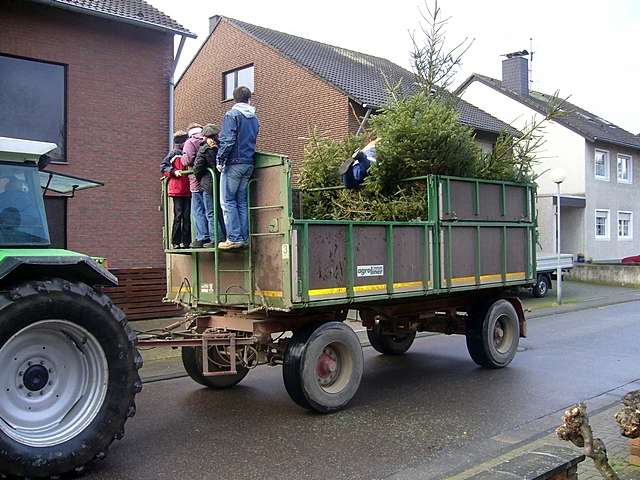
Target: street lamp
558 176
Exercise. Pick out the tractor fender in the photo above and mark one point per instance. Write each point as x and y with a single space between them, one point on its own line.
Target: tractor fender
16 268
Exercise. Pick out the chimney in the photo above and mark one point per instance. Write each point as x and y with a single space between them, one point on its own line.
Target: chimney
515 73
213 22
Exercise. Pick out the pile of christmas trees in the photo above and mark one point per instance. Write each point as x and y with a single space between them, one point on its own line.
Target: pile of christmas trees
418 135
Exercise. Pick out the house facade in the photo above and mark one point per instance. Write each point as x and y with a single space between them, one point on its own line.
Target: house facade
94 77
600 196
298 85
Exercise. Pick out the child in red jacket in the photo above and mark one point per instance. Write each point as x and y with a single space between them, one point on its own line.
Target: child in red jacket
178 190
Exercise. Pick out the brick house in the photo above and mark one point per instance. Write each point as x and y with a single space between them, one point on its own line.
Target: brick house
298 84
95 78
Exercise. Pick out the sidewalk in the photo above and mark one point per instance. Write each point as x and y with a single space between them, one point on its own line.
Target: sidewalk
161 363
577 296
604 426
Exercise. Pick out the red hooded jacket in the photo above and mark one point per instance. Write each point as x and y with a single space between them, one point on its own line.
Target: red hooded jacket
177 186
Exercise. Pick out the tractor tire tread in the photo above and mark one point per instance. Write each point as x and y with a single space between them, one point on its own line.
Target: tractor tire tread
58 285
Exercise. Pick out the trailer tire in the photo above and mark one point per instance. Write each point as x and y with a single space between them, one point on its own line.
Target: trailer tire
323 367
66 352
192 362
493 334
542 286
389 344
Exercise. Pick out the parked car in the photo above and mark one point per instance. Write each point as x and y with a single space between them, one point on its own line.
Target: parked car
635 260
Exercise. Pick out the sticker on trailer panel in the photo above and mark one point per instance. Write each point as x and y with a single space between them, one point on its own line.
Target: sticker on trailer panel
207 288
285 251
370 271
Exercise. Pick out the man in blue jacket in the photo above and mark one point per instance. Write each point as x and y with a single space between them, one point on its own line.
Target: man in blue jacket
235 161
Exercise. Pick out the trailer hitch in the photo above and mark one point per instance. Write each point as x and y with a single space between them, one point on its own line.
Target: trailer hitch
223 339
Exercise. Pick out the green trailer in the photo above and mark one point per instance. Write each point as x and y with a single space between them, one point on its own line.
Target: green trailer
284 299
69 371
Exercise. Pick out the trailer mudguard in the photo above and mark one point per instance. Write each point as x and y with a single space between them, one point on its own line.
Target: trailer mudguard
22 264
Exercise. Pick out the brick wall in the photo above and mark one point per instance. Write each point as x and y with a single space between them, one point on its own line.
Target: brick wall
117 123
289 99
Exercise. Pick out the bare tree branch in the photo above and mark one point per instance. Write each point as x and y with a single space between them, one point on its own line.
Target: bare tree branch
575 428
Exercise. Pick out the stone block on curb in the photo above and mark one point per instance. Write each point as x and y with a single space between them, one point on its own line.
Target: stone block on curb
545 463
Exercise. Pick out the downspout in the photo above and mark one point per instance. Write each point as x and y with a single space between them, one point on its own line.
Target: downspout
172 88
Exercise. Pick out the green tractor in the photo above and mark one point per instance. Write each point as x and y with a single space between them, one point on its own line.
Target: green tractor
69 365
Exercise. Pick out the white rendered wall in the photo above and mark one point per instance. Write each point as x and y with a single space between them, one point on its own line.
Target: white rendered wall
563 148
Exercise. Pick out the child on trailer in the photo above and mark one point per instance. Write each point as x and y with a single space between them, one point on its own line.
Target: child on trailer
205 160
178 190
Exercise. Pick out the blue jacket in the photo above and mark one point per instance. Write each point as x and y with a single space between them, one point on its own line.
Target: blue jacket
240 128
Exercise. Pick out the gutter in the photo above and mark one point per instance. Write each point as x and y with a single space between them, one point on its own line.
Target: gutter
115 17
616 142
172 88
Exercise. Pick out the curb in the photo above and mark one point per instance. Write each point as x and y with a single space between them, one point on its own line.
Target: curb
577 307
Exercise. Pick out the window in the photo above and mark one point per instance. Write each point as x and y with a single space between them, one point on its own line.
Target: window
625 168
602 224
242 77
625 225
602 165
22 216
32 102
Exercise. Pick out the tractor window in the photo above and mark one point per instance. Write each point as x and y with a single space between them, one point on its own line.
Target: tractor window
22 216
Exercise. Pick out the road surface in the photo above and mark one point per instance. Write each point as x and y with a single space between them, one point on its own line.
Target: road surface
411 416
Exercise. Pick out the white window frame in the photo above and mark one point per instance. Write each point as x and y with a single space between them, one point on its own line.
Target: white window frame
629 158
630 236
607 165
607 235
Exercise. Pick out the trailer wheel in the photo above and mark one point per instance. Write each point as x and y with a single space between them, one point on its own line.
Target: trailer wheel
192 362
390 344
68 379
493 335
323 367
541 288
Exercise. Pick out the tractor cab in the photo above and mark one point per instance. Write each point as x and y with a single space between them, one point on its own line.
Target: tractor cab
23 182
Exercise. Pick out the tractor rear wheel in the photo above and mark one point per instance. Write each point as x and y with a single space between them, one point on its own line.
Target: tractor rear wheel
68 379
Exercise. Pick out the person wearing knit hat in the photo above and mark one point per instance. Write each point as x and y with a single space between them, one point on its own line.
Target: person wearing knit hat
205 163
191 147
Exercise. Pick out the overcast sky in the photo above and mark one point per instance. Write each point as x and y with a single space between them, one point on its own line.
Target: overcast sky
584 48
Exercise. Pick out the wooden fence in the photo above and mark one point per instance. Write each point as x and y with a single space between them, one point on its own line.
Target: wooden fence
139 293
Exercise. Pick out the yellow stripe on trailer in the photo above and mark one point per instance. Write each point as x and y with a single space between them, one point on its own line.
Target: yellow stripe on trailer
494 277
380 287
270 293
327 291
